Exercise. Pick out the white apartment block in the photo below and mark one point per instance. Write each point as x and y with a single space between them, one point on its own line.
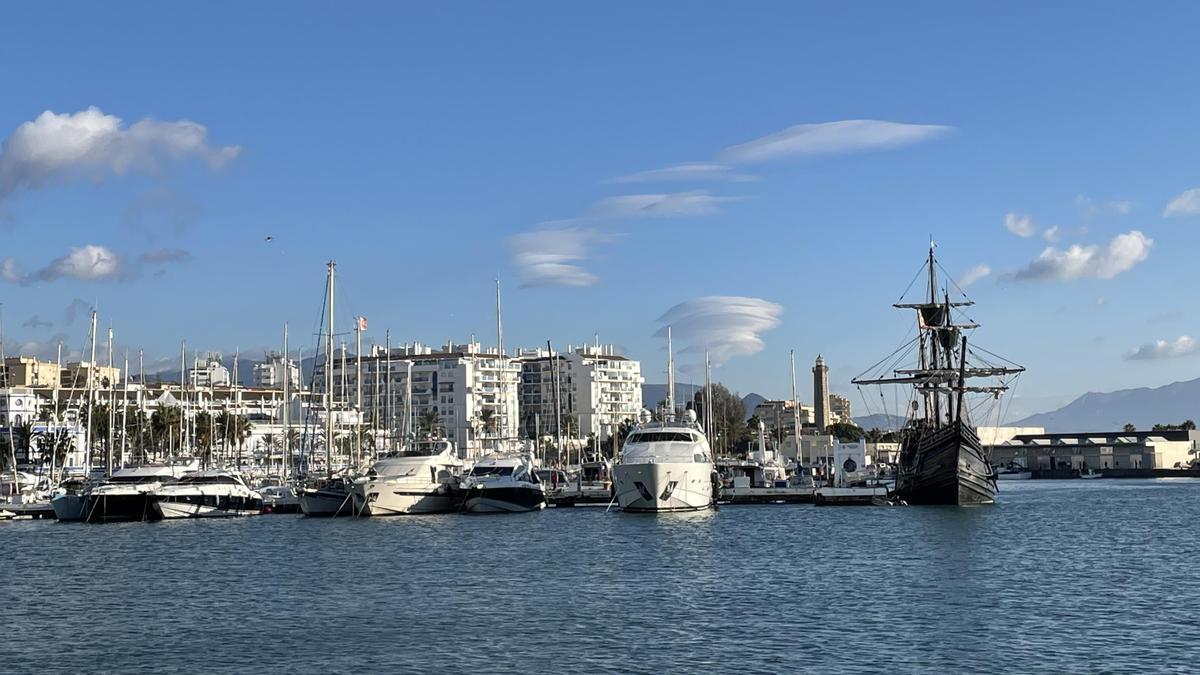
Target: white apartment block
597 387
210 373
471 389
270 374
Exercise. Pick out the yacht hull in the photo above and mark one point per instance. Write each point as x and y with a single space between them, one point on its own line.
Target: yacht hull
326 503
114 508
384 500
945 466
68 508
665 487
504 500
187 509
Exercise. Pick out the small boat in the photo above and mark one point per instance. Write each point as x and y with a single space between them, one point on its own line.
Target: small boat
502 484
1013 472
279 499
1091 473
206 494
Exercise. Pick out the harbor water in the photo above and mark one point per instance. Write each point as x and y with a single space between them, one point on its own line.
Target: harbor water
1059 576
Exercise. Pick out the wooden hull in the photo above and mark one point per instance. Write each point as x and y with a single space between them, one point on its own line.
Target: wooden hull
945 466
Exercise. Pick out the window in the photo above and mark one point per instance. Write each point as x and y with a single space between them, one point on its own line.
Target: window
662 437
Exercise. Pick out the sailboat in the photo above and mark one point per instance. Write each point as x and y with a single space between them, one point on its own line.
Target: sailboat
941 458
330 497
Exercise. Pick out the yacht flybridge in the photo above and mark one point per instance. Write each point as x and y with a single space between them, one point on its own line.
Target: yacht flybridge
419 480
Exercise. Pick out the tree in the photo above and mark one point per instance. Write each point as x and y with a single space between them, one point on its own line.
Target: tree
1188 425
876 435
429 425
164 427
1129 428
729 417
845 432
488 420
54 446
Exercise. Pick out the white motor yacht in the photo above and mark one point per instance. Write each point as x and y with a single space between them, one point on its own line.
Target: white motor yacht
502 484
125 495
418 480
206 494
665 466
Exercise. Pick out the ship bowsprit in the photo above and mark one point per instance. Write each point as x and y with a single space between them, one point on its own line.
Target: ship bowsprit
945 466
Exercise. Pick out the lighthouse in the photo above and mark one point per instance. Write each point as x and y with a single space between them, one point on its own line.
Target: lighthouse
821 394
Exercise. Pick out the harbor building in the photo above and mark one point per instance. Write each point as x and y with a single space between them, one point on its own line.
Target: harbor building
821 394
1097 450
780 419
462 392
76 375
270 374
598 390
839 409
25 371
210 373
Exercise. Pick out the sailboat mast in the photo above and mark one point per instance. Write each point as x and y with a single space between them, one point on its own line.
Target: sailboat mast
795 406
708 416
108 447
329 381
87 438
287 403
670 376
358 419
558 440
503 368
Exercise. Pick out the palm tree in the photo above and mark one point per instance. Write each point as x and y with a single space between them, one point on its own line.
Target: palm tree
1129 428
164 426
430 425
488 420
270 441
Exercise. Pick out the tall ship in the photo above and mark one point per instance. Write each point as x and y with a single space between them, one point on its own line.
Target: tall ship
941 458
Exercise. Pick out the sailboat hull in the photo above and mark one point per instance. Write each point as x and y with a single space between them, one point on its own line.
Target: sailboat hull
326 503
945 466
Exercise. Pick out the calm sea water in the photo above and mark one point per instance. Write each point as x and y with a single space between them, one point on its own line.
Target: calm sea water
1060 576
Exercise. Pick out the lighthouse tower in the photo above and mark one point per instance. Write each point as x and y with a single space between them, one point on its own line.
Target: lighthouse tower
821 394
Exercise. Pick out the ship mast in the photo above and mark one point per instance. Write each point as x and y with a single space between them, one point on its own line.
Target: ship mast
942 368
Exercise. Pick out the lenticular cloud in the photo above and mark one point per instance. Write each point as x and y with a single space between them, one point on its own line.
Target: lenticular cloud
727 326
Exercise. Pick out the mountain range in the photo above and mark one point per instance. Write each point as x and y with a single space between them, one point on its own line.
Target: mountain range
1142 407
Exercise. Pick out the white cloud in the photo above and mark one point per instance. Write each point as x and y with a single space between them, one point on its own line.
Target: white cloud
1186 204
1052 234
61 147
1020 225
1088 262
1164 349
727 326
552 257
974 274
829 138
691 203
688 171
89 262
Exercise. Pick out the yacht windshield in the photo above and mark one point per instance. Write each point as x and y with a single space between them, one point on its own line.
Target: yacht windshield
662 437
492 471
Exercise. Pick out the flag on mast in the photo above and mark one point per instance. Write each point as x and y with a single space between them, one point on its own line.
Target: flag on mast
362 323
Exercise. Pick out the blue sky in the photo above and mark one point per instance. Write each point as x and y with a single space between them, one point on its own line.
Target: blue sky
430 147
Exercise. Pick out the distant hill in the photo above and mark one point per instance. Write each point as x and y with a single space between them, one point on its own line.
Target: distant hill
880 421
751 401
1143 408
